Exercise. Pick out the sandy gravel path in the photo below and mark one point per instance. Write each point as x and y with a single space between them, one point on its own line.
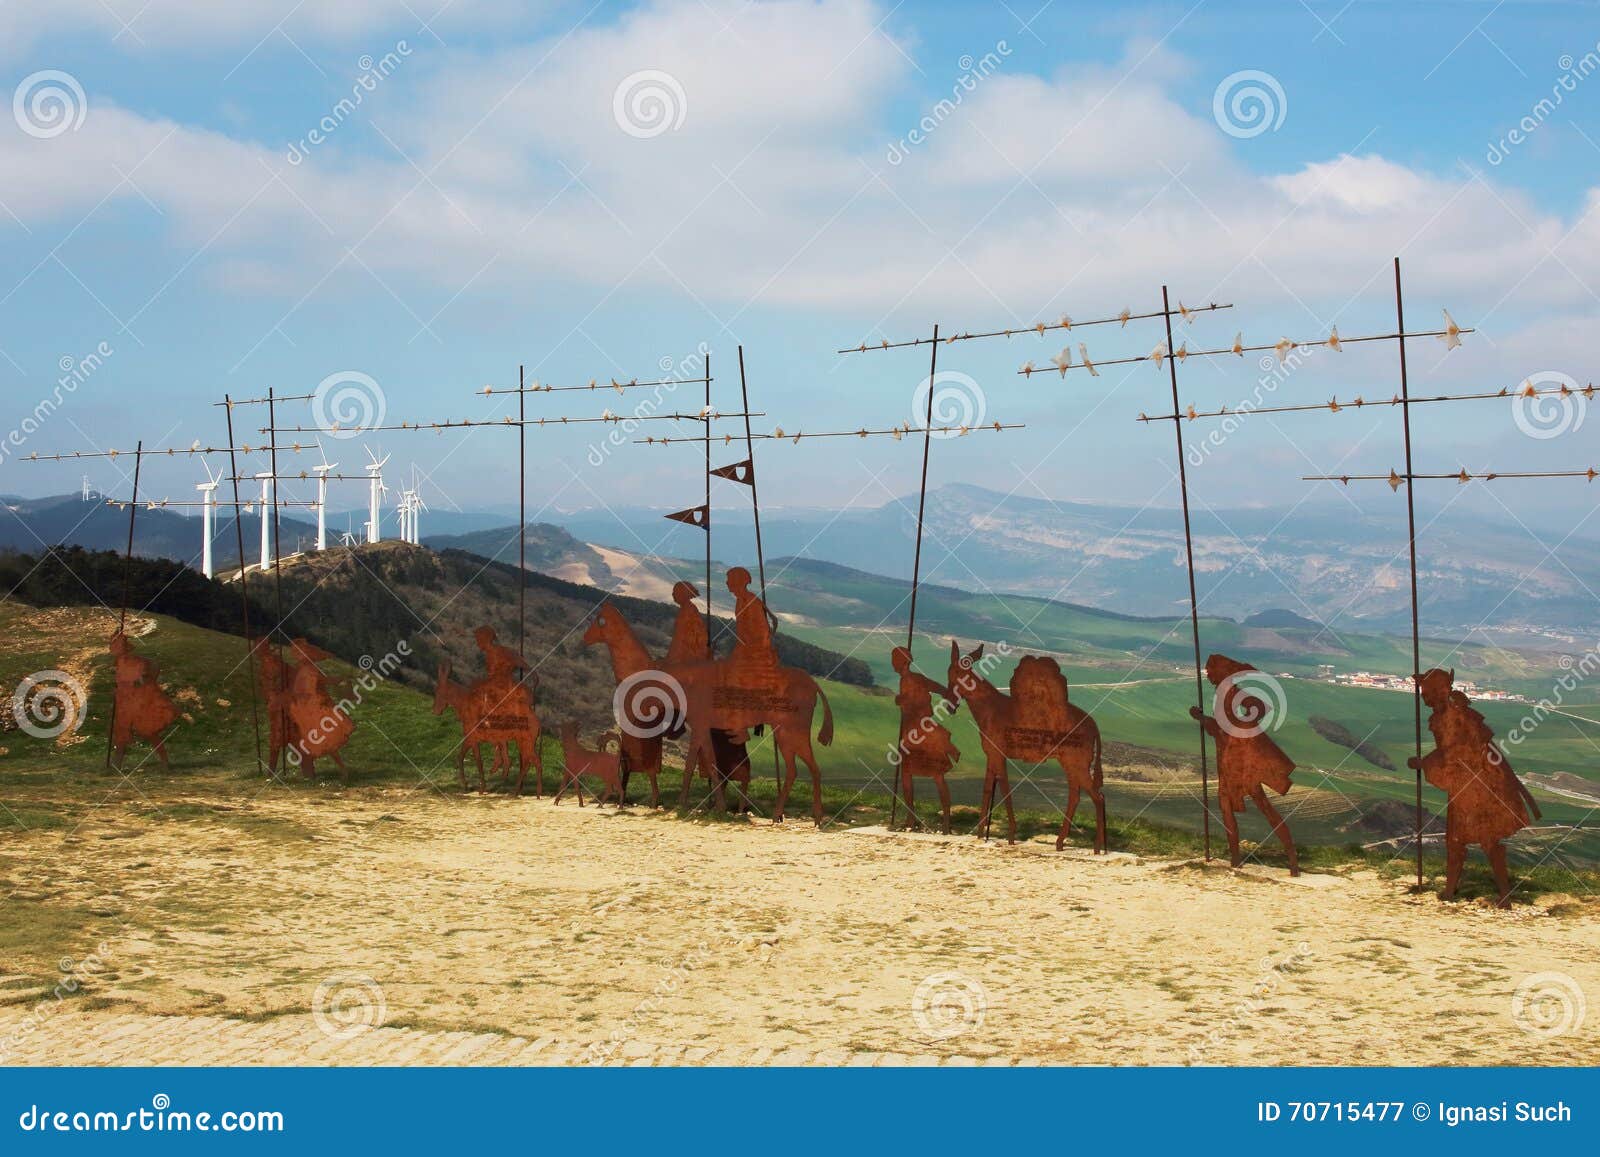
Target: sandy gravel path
367 928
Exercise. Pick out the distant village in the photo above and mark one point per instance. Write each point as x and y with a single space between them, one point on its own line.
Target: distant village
1381 682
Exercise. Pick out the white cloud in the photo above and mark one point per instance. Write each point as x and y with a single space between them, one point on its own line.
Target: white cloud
1035 195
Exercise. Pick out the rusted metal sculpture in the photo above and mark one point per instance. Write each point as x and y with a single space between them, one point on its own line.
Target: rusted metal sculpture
139 708
1487 802
926 747
276 674
578 761
749 689
1248 759
497 709
320 726
649 709
1035 723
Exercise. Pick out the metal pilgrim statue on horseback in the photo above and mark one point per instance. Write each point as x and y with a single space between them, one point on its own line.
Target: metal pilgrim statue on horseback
715 704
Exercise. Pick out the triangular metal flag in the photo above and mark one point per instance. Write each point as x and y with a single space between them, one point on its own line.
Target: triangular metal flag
695 516
744 471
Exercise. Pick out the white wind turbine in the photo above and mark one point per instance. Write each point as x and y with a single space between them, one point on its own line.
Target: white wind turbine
322 496
266 526
208 491
375 495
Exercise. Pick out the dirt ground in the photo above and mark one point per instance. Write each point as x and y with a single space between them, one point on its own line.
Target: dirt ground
365 927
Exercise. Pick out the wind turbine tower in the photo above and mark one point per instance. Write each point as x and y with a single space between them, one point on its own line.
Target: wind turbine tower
208 491
375 495
322 498
266 525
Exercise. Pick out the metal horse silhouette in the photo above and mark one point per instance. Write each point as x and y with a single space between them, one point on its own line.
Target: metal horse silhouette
1033 724
497 709
748 689
139 707
650 709
1248 759
1486 801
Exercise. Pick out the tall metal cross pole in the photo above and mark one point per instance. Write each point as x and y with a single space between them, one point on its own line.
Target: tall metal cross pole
127 578
1194 605
916 563
708 496
244 591
522 518
1411 545
755 509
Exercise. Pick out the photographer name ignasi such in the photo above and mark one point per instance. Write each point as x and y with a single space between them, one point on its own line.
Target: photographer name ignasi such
1452 1115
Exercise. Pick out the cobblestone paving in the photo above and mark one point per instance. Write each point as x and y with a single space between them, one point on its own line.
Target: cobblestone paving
111 1038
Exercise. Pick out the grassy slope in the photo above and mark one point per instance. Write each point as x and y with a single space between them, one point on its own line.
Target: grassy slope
399 742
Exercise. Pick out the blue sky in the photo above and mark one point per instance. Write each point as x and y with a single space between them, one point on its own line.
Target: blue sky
484 206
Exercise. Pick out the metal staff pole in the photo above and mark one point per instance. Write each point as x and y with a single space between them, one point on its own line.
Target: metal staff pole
1194 605
244 591
755 509
916 563
1411 544
127 577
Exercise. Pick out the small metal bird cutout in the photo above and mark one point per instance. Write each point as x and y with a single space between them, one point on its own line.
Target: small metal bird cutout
1394 480
1188 314
1124 316
1039 328
1183 352
1159 354
1027 368
1452 332
1083 352
1334 405
1190 414
1333 341
1282 349
1063 360
1066 323
1238 343
1463 477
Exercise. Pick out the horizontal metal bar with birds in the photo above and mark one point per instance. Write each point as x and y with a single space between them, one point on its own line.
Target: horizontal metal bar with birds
1336 406
1041 328
1062 362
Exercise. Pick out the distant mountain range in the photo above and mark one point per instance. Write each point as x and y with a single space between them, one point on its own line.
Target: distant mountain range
1324 565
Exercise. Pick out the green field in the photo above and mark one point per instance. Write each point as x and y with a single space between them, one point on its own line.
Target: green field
1153 782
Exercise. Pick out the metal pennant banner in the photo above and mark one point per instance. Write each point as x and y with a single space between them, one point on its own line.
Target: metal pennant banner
744 472
694 516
